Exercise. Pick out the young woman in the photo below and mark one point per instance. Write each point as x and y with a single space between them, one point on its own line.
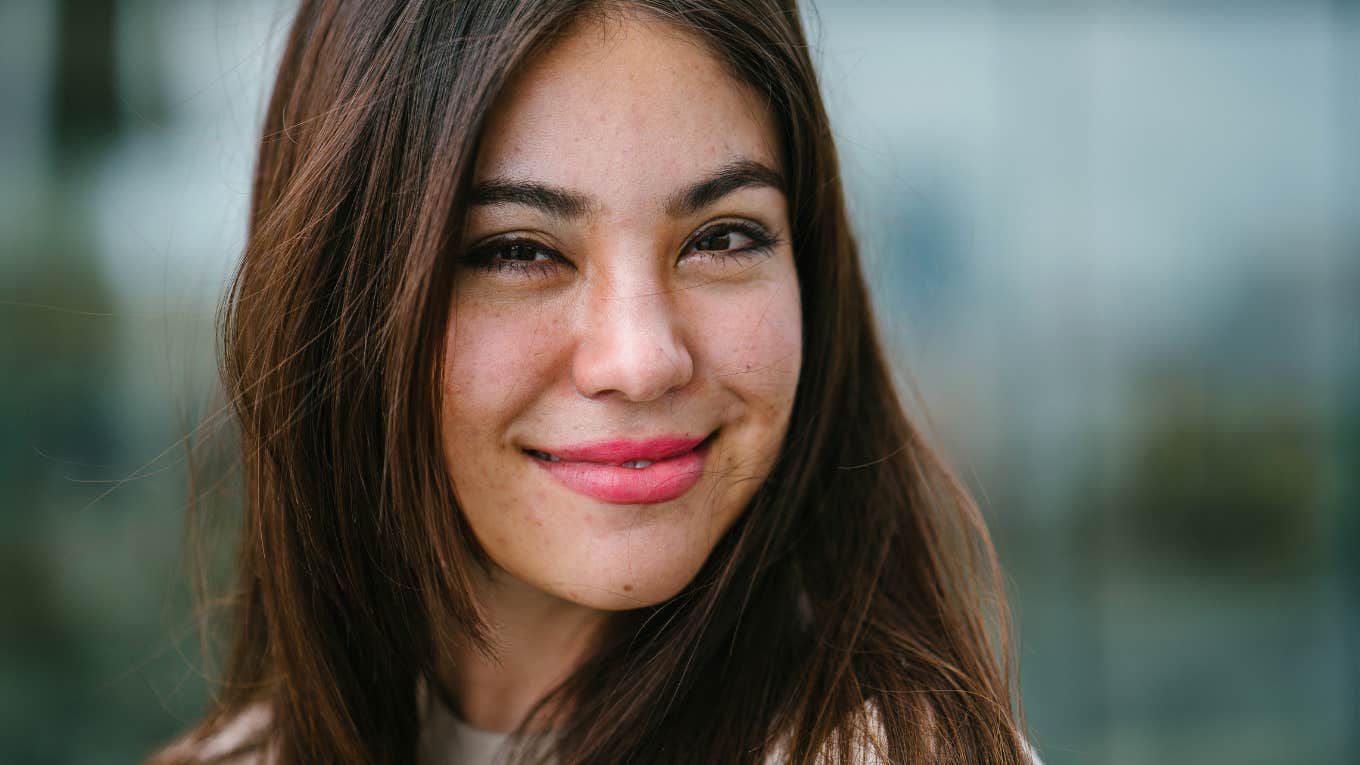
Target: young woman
567 435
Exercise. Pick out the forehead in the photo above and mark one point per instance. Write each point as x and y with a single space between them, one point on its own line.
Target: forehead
626 109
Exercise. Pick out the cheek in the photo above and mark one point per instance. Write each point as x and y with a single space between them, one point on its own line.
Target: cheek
498 358
754 343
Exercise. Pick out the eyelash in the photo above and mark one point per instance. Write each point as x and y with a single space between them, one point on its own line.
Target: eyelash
488 257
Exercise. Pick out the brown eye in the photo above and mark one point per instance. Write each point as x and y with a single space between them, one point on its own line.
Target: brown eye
523 253
721 240
516 257
733 238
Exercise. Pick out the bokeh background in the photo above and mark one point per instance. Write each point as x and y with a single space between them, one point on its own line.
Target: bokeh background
1115 246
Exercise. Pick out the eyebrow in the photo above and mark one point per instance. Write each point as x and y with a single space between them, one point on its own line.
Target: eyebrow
565 203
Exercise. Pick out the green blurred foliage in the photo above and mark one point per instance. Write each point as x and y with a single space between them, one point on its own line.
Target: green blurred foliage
1209 486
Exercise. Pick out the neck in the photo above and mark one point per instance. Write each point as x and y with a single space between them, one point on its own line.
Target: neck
539 639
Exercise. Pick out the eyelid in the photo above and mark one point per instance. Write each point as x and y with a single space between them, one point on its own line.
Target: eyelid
519 236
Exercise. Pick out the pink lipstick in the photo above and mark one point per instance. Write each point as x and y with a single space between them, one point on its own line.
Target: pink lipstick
625 471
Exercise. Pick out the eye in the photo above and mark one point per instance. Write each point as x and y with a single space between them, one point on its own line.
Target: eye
733 238
515 256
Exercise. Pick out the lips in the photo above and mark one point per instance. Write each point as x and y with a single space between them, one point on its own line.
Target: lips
625 471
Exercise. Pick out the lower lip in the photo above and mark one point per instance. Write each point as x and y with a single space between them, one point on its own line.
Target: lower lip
660 481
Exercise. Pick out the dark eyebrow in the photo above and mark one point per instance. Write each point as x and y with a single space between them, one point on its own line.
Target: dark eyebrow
563 203
554 201
741 174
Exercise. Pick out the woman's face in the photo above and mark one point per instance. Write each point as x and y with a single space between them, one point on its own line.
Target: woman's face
625 338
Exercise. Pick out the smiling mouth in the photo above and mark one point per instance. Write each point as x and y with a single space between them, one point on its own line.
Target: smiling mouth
634 464
636 455
628 472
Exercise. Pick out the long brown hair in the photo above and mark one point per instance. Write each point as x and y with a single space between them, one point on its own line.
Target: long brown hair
859 577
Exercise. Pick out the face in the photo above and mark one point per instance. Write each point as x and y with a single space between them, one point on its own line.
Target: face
625 337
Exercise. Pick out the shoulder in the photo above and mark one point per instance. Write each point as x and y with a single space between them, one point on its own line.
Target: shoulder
232 743
868 742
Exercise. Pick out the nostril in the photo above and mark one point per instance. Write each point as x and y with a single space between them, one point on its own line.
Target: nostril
639 357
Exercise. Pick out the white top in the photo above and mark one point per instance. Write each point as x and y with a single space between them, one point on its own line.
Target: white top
447 740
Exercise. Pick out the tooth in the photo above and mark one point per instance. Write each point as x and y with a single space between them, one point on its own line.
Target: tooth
637 464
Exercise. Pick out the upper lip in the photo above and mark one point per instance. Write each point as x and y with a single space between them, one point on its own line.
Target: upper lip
617 451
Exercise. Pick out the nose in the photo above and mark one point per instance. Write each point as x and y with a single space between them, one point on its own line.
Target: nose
631 344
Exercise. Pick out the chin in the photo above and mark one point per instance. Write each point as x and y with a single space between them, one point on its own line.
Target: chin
607 599
631 580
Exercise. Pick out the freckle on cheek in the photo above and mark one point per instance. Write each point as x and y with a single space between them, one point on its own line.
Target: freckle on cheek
628 588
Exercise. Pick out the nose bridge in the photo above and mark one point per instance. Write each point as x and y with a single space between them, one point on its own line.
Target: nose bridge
631 337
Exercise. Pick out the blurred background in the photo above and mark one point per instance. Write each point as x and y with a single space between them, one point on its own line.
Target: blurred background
1115 246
